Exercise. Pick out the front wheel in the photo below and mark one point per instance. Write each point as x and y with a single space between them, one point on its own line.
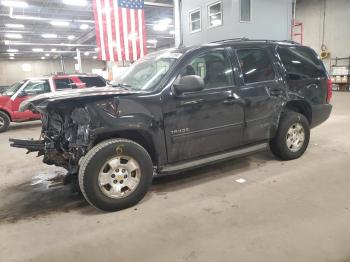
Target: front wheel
115 174
292 138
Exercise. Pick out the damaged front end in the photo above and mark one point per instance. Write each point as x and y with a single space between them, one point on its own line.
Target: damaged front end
69 123
65 137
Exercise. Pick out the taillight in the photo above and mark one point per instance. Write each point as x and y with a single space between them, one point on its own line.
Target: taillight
329 90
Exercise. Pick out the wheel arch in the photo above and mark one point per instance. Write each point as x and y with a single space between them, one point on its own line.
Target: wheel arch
301 107
139 136
7 113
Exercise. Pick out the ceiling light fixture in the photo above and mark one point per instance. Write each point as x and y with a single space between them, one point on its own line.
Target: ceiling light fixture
71 37
75 2
38 50
43 58
47 55
86 53
11 54
14 25
53 50
94 57
59 23
84 26
12 58
49 36
18 4
12 50
13 36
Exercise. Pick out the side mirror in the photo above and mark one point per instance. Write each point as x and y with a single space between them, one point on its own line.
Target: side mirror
22 94
191 83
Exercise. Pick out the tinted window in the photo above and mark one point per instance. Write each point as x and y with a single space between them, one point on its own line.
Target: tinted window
91 81
36 87
301 63
213 67
63 83
256 65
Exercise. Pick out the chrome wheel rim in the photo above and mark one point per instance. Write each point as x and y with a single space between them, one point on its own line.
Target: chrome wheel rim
119 177
2 122
295 137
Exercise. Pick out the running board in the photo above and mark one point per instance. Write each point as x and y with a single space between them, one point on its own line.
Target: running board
183 166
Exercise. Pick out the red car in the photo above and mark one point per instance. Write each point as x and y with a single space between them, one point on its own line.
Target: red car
14 95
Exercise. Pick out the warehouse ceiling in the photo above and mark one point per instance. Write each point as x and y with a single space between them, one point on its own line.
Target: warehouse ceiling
47 29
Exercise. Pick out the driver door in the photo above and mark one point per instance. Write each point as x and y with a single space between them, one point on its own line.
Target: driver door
208 121
33 88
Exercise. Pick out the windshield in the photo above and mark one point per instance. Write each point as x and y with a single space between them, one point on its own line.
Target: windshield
12 89
146 73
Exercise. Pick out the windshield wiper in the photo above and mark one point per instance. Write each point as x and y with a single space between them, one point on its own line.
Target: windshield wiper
122 85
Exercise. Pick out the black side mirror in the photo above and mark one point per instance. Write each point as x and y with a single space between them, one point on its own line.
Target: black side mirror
191 83
23 94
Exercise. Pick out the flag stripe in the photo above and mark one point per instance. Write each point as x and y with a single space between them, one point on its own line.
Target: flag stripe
104 28
117 31
109 30
128 20
100 29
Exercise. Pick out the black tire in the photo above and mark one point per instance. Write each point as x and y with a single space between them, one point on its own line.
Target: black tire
4 121
278 144
92 164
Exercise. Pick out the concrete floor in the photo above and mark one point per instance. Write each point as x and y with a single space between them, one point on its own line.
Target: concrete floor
285 211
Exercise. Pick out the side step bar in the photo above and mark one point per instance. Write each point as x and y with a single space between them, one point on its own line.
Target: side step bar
31 145
183 166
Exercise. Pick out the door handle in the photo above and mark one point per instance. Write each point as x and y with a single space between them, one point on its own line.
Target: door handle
191 102
275 91
232 100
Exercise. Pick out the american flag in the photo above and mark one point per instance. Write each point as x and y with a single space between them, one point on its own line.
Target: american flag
120 29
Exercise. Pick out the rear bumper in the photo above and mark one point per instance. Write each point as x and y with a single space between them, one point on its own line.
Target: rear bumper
320 113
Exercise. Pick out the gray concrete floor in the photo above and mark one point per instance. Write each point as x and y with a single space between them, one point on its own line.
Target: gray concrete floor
285 211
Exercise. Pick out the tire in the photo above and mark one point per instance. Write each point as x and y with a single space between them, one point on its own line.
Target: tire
4 121
279 145
106 158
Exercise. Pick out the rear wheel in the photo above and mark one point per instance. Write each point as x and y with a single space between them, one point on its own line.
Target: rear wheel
292 138
4 121
115 174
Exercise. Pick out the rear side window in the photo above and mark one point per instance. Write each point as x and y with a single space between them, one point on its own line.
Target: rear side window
301 63
256 65
93 81
63 84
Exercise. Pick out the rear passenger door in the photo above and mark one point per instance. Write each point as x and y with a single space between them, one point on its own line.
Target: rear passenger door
262 89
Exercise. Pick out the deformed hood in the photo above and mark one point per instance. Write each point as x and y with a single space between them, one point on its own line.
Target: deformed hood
42 101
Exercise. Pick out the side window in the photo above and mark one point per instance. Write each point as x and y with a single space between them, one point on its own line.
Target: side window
256 65
195 21
93 81
36 87
213 67
63 83
301 63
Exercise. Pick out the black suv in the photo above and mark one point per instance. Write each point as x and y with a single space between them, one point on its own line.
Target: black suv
180 109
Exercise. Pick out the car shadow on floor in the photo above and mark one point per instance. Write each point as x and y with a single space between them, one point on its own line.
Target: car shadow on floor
45 194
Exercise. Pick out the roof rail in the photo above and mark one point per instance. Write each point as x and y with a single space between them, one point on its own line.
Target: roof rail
232 39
